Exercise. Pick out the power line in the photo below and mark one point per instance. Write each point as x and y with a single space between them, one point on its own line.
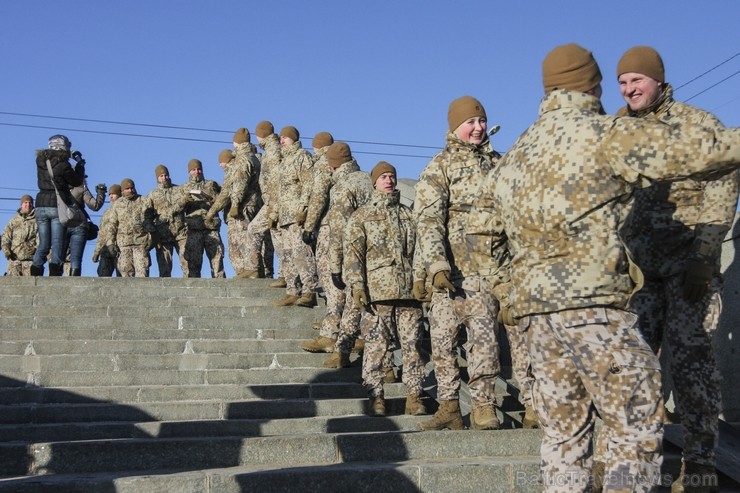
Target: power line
712 86
705 73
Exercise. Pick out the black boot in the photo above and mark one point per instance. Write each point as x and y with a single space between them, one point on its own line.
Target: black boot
37 271
55 270
76 272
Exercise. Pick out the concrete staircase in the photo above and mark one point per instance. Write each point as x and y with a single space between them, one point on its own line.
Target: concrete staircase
199 385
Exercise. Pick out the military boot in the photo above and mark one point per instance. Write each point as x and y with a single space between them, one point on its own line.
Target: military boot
37 271
337 360
414 406
598 470
288 300
377 406
319 345
530 418
55 270
308 300
696 478
278 283
390 376
76 272
484 418
316 326
447 417
248 274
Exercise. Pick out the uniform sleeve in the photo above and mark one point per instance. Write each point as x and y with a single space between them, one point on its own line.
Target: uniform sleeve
355 251
341 209
305 175
319 198
430 206
7 239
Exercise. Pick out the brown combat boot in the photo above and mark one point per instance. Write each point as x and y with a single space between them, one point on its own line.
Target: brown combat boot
319 345
337 360
288 300
359 346
390 376
308 300
414 405
696 478
447 417
484 418
248 274
316 326
530 420
598 470
278 283
377 406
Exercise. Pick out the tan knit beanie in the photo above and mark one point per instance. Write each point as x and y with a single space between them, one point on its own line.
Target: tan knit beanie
241 136
642 60
322 139
225 156
463 108
26 198
570 67
338 154
195 164
290 132
379 169
127 183
160 170
115 189
264 128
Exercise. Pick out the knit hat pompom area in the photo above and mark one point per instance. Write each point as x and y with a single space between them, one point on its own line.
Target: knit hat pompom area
242 135
463 108
264 128
642 60
338 154
322 139
570 67
225 156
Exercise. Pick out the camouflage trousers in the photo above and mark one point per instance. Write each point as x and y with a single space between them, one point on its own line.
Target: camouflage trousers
300 264
198 241
107 266
584 360
334 297
520 362
349 326
474 306
383 328
133 261
19 268
258 245
163 253
237 239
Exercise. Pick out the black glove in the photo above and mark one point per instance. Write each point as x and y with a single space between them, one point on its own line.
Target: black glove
308 237
77 156
336 280
101 188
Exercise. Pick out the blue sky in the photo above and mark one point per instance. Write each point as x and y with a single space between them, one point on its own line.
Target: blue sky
371 73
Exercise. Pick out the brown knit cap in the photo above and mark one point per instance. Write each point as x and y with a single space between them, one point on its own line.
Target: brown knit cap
290 132
195 164
570 67
127 183
264 128
642 60
463 108
225 156
160 170
322 139
241 136
115 189
379 169
26 198
338 154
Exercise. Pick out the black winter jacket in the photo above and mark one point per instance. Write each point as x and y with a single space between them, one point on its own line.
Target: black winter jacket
65 176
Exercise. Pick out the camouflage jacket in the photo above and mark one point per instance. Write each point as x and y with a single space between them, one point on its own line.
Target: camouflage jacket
269 177
296 179
240 185
101 247
445 193
126 225
350 189
319 201
561 190
672 222
196 206
20 236
164 212
379 242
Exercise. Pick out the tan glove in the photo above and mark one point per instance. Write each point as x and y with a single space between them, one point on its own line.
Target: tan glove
441 281
96 256
272 223
420 292
696 278
300 218
233 212
505 315
360 298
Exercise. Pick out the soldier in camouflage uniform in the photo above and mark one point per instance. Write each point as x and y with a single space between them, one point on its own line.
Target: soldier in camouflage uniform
126 237
262 239
675 232
351 188
379 242
296 179
20 239
240 195
560 194
204 234
165 215
444 195
316 229
106 259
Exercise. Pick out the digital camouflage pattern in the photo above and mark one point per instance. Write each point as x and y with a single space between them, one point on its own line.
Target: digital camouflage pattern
106 259
19 242
126 234
165 218
296 180
335 298
203 234
319 200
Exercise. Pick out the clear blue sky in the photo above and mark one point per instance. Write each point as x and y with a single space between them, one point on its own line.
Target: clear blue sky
371 73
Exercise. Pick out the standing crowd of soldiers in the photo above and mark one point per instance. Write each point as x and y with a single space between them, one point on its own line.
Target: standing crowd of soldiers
594 244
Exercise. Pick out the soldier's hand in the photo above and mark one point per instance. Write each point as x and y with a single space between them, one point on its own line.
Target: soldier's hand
10 255
308 237
101 188
420 292
114 250
505 315
696 278
233 212
96 257
272 223
300 218
441 281
336 280
359 297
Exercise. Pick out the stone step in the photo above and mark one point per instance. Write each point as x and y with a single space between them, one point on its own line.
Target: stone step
217 452
188 330
233 310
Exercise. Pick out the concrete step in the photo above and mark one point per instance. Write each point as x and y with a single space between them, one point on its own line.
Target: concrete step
232 310
179 330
